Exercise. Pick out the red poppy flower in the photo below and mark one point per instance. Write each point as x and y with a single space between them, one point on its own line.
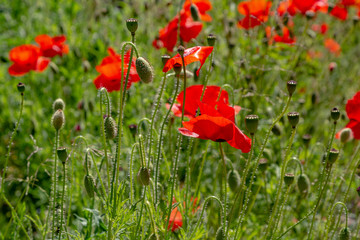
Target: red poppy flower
193 95
202 5
110 72
26 58
339 12
332 46
285 38
305 5
256 12
353 113
191 55
50 47
322 29
302 6
216 125
175 221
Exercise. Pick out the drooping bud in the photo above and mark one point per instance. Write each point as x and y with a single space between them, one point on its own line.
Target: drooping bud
21 87
181 50
303 184
277 129
58 104
132 25
220 234
306 140
211 39
251 123
263 164
289 179
293 118
110 128
58 120
333 155
346 135
344 234
144 70
194 12
62 154
335 114
291 87
234 180
143 176
164 59
89 185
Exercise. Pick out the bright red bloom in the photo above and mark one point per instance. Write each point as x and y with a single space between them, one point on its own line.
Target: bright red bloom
110 72
202 5
339 12
27 58
323 28
191 55
302 6
285 38
216 125
193 95
50 47
353 113
175 221
256 12
332 46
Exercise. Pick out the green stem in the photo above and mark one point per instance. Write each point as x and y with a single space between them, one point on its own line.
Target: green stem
329 228
62 200
224 176
55 180
131 174
281 208
352 176
103 90
201 170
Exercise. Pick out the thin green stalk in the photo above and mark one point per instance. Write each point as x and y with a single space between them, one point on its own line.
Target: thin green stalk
62 199
103 90
141 213
281 208
55 180
224 176
201 169
352 176
329 228
153 224
131 174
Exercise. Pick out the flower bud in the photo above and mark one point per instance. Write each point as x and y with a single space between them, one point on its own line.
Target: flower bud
62 154
144 70
306 139
89 185
220 234
143 176
335 114
211 39
344 234
110 128
277 129
333 155
21 87
251 123
133 129
289 179
177 68
194 12
263 164
132 25
303 184
58 104
58 120
164 59
234 180
291 87
293 118
346 135
181 50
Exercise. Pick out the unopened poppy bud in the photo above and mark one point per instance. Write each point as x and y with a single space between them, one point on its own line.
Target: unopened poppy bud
58 119
346 135
132 25
143 176
177 68
332 66
20 87
58 104
181 50
251 123
358 191
165 58
335 114
344 234
62 154
333 155
211 39
89 185
277 130
110 128
289 179
306 140
133 129
263 164
291 87
194 12
303 184
234 180
220 234
144 70
293 118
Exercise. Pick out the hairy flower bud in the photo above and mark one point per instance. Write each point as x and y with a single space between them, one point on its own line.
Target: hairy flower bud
346 135
143 176
89 185
303 184
234 180
58 120
194 12
110 128
144 70
58 104
344 234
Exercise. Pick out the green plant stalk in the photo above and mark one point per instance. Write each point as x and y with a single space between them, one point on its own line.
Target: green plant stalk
141 213
131 174
103 131
161 137
278 194
10 144
55 180
224 176
201 170
352 177
62 199
329 227
153 224
281 209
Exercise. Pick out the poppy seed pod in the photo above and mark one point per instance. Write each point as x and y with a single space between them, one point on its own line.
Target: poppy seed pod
144 70
211 39
234 180
303 184
333 155
251 123
143 176
289 179
110 128
58 119
132 25
293 118
89 185
181 50
291 87
21 87
177 68
263 164
335 114
194 12
62 154
306 139
346 135
165 58
344 234
58 104
220 234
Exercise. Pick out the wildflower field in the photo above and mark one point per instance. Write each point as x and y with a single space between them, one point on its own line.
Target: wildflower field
188 119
